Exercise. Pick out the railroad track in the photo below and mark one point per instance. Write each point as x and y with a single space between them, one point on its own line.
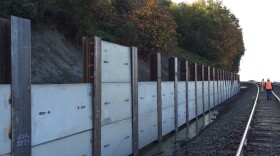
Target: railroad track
262 134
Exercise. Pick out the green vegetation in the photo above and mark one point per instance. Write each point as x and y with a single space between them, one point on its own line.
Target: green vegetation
211 30
191 56
206 27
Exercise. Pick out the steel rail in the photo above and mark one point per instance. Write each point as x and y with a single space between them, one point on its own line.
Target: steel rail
276 96
247 126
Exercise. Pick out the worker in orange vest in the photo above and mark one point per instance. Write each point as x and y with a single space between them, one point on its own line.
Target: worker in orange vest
262 85
269 88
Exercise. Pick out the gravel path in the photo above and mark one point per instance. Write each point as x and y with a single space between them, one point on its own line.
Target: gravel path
264 135
277 90
223 136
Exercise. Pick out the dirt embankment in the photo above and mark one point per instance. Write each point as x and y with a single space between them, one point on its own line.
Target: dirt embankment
55 60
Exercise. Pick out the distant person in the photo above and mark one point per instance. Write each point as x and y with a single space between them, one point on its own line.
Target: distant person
269 88
262 84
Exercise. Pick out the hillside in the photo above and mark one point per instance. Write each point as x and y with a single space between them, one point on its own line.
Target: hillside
56 60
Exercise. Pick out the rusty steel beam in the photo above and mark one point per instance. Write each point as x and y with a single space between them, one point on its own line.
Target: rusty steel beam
88 68
192 71
5 51
92 74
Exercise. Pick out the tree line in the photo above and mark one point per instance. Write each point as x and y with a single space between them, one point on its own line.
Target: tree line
205 27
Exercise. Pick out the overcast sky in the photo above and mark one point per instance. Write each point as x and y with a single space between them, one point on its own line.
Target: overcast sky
260 21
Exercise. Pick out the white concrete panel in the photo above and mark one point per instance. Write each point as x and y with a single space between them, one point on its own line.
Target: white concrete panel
199 97
147 97
236 86
191 110
206 104
199 89
217 94
191 99
200 106
116 138
211 101
231 89
191 85
191 96
223 91
191 91
228 89
181 114
167 91
147 128
168 122
181 91
116 63
5 119
60 110
206 86
79 144
116 102
211 95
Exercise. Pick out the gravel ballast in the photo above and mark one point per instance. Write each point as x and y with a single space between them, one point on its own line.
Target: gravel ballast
223 136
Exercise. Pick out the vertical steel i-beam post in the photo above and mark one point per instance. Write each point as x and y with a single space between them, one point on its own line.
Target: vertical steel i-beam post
203 98
21 86
196 100
92 74
159 97
134 63
155 74
214 95
209 102
97 98
187 92
173 76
